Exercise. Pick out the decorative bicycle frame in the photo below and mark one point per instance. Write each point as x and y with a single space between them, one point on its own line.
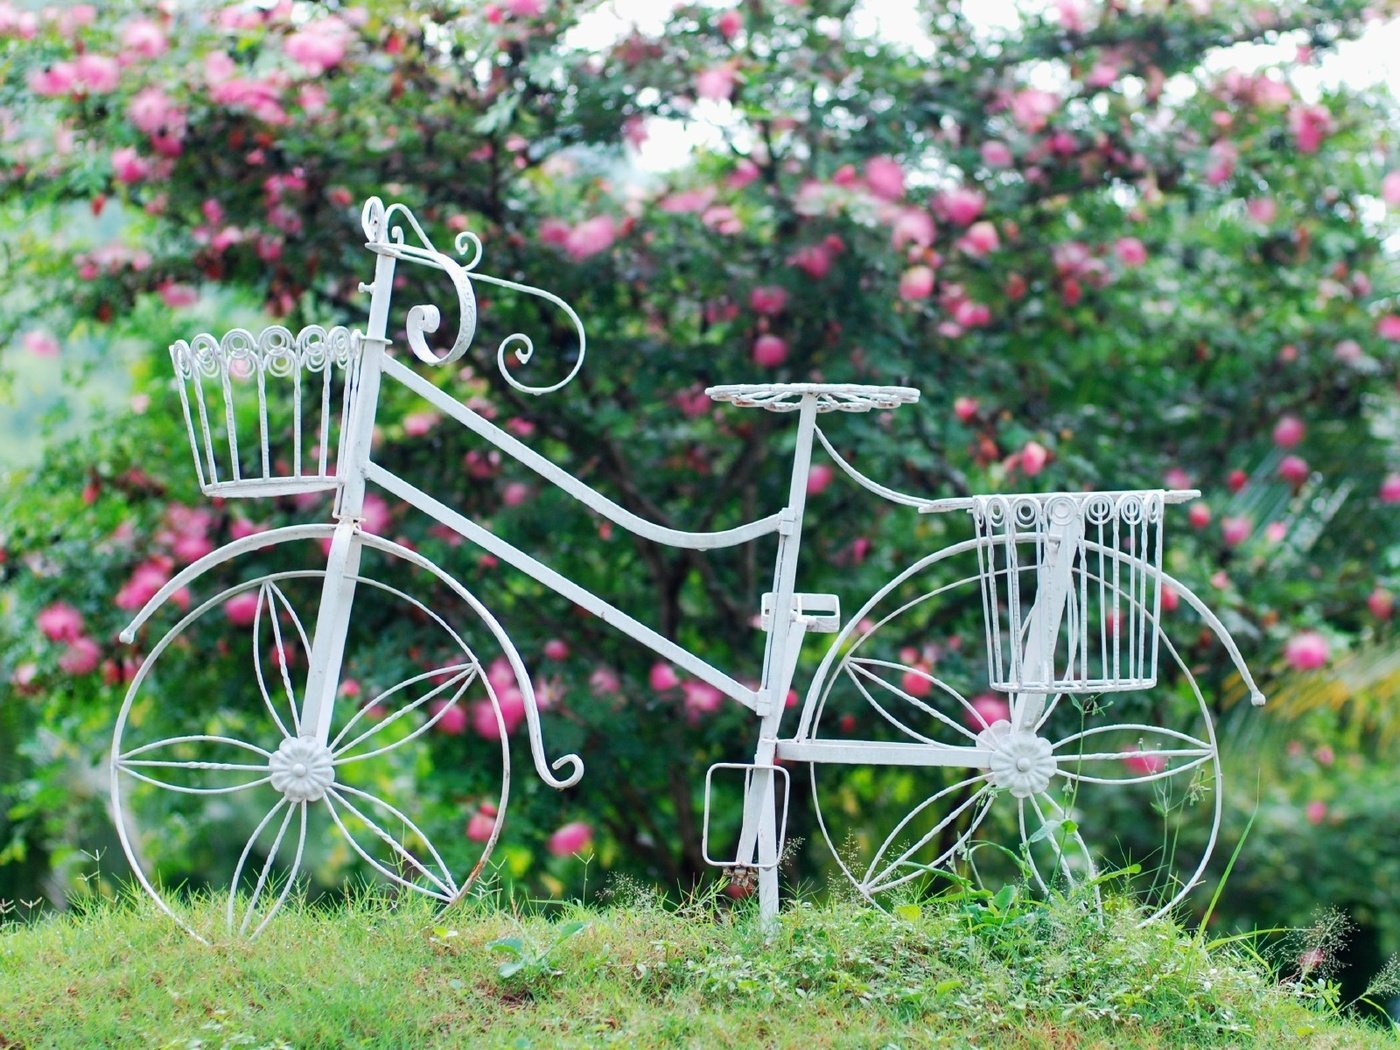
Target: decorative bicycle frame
1070 586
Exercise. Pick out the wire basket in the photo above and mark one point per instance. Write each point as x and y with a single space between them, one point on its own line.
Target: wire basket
1071 590
267 413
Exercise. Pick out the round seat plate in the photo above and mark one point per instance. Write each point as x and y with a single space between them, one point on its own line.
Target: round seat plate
830 397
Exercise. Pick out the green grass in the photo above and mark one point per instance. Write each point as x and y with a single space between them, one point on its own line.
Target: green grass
960 973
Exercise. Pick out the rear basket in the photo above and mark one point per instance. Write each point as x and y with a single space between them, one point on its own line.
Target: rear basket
1071 590
267 413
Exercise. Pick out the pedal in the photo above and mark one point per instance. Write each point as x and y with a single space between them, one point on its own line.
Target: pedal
820 612
743 858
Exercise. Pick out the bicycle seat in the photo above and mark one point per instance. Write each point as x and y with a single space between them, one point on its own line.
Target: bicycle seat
831 397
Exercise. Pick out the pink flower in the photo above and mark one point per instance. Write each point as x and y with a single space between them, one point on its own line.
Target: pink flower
911 226
768 299
590 237
127 165
1307 651
1033 458
1236 530
818 478
1198 514
1390 489
662 677
60 622
178 295
962 205
154 113
1288 431
980 239
700 698
1102 75
374 516
451 720
525 8
987 710
319 45
99 74
1222 158
1390 188
143 38
1294 470
1381 603
1262 209
916 681
769 351
1388 327
1142 764
416 424
1275 531
715 83
604 681
52 81
1348 352
1309 126
997 154
40 343
744 173
81 657
1031 108
1171 601
972 315
572 838
515 494
556 649
240 527
1130 251
1236 480
685 202
729 23
916 283
1315 812
242 609
812 259
146 579
1071 14
482 824
965 408
884 178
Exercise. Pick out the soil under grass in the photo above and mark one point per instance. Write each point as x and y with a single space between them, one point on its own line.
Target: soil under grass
638 974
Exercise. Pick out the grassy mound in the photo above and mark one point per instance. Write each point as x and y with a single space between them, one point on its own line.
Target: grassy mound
984 972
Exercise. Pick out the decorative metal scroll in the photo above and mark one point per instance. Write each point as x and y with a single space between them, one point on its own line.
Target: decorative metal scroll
386 236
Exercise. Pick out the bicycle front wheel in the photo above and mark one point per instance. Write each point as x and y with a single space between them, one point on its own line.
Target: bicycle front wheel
924 780
222 794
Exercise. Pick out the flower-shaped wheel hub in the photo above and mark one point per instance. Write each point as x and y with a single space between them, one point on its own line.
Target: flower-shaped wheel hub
302 769
1020 761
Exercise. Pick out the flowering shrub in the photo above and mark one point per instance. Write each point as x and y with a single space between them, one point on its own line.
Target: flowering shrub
1105 264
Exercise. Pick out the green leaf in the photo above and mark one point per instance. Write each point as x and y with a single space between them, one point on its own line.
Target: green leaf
908 912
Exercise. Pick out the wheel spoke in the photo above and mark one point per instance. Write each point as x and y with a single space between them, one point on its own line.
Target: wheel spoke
447 890
864 665
881 881
269 597
1144 754
251 910
255 773
462 675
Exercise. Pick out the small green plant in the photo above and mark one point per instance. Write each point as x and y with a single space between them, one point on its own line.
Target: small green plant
526 964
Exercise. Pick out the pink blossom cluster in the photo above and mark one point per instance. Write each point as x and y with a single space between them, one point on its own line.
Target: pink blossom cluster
319 45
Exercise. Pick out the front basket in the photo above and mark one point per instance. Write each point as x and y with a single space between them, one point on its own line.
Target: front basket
266 413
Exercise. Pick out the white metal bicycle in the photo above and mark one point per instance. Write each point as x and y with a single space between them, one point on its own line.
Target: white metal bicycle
1058 721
